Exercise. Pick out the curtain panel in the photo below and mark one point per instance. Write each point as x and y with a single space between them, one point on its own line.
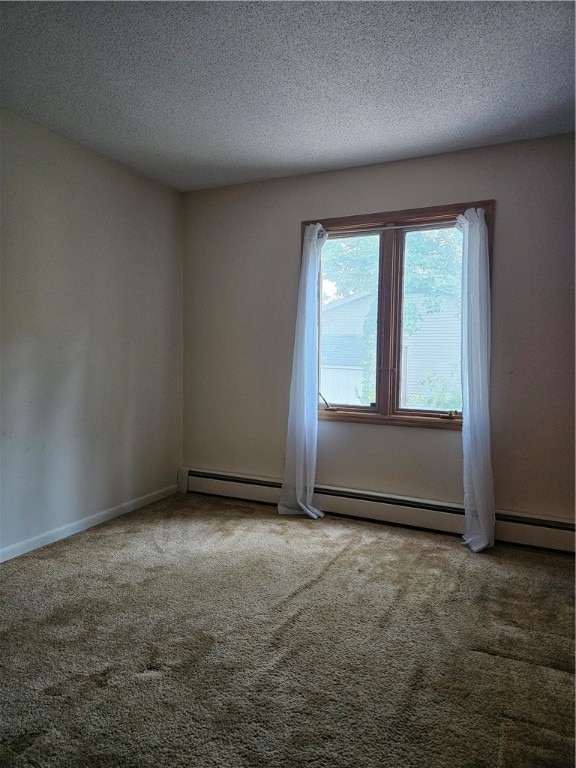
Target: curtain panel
479 504
300 462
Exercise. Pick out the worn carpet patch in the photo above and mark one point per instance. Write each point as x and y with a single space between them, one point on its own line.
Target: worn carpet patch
201 632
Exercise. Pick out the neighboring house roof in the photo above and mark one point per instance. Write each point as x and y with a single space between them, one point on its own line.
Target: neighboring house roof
335 303
346 316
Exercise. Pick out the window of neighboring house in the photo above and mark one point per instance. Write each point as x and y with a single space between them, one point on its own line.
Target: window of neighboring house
390 317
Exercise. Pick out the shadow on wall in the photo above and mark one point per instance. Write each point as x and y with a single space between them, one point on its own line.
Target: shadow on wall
69 437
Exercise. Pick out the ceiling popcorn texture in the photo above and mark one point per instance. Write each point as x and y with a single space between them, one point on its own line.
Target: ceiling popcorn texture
204 94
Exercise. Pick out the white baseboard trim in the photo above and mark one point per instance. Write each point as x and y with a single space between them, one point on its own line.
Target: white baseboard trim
21 547
549 533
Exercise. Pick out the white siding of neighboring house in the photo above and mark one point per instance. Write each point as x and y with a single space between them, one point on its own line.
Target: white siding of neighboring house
341 378
346 316
340 384
433 348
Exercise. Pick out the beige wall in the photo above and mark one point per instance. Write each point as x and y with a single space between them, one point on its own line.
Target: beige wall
91 333
240 284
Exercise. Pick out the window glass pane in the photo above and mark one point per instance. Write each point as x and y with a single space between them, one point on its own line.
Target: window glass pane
349 284
430 322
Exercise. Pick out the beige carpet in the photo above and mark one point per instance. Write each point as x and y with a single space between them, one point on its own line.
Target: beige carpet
203 632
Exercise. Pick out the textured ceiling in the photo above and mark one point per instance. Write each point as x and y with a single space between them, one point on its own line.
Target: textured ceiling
204 94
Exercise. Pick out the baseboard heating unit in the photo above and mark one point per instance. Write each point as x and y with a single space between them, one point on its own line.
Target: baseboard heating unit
551 533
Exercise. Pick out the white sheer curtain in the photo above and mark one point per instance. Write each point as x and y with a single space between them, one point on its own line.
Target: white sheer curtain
478 483
300 466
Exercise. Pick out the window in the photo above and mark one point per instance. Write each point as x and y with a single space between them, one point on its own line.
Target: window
390 317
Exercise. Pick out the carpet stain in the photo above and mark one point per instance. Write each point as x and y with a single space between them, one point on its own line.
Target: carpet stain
20 743
100 678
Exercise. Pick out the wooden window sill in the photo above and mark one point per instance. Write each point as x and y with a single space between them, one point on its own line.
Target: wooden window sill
395 420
